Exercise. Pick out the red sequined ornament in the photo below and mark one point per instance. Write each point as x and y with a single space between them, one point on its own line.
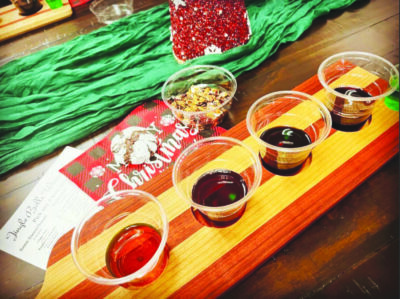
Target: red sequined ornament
201 27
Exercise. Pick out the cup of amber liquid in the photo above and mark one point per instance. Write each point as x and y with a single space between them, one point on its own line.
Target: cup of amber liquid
353 82
287 125
217 176
122 241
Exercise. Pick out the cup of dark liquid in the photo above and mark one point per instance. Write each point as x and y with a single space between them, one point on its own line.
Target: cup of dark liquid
287 125
27 7
122 241
353 82
217 176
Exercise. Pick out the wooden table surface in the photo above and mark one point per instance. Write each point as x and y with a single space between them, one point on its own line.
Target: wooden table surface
351 252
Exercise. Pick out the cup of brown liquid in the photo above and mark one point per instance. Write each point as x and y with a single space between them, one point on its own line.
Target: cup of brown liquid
353 82
287 125
27 7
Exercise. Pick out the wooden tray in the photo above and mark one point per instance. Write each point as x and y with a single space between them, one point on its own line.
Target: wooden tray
204 262
13 24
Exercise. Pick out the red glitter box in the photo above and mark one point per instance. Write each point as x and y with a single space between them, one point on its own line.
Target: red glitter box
201 27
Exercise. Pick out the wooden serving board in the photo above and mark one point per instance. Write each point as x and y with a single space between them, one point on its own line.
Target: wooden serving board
13 24
204 261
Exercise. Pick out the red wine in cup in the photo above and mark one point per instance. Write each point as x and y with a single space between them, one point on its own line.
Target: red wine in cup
287 137
131 249
216 189
339 104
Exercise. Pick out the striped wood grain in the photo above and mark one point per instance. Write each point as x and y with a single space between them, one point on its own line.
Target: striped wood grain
13 24
206 261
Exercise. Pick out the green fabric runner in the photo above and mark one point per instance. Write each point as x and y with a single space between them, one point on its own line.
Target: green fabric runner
59 95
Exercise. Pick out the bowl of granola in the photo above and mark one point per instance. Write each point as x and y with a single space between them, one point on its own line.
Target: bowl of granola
200 96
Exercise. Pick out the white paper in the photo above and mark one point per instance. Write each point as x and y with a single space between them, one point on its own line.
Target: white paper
54 206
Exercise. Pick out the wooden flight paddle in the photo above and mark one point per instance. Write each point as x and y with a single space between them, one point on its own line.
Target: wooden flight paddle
13 24
207 261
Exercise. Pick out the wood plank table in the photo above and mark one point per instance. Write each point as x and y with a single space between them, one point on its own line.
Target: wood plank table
351 251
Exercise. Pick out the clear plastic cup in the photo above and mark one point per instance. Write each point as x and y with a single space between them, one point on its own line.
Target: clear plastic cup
27 7
109 11
287 125
353 82
188 82
210 175
122 241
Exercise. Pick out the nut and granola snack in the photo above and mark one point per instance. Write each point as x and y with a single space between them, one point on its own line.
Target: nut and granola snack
201 105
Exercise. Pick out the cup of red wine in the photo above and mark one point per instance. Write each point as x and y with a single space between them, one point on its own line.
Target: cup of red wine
122 241
217 176
287 125
353 82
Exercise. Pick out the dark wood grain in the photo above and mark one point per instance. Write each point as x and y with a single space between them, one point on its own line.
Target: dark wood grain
351 252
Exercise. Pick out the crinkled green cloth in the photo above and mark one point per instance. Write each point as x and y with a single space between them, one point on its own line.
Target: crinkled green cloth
59 95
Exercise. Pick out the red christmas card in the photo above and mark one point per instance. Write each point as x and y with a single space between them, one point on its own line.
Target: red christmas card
202 27
101 169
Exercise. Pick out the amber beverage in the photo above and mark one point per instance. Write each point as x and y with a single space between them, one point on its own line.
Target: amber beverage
122 241
131 249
